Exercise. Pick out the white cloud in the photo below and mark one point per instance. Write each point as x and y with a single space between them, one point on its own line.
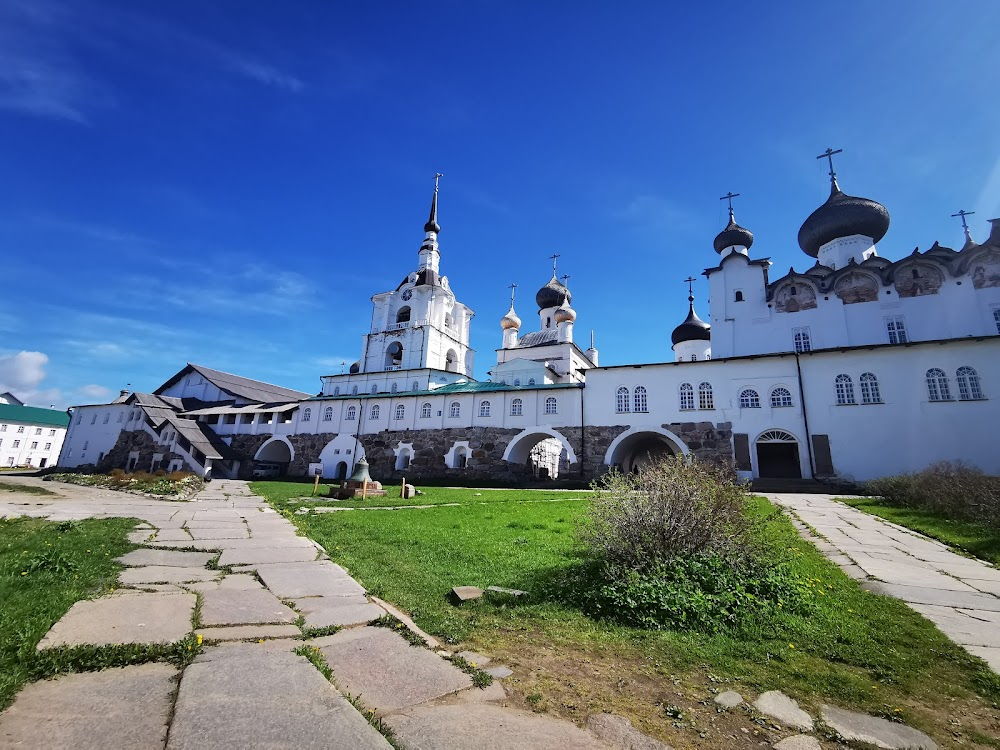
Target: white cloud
95 391
22 373
655 212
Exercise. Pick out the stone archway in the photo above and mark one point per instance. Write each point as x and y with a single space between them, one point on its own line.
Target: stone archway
547 451
634 449
277 450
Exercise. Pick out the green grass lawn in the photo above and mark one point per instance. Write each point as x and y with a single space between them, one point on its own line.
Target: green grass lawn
26 489
44 568
976 539
856 649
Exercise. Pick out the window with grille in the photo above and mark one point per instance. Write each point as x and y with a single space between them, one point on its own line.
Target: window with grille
394 388
416 386
968 384
354 391
352 413
400 411
375 411
531 381
307 414
776 436
937 385
550 405
455 410
121 418
687 396
517 382
870 392
640 399
896 330
694 357
336 391
706 400
803 340
844 387
374 389
515 407
621 400
781 396
484 408
425 410
328 414
749 399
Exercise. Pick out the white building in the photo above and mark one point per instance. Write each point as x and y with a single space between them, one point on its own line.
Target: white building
29 436
855 368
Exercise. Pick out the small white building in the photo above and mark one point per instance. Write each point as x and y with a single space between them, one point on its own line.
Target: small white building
29 436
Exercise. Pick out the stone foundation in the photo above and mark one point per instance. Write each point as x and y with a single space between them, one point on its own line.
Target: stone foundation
706 440
142 441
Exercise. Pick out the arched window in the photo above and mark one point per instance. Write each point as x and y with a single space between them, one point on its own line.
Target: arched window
455 410
375 411
403 316
515 407
694 357
416 386
802 339
687 396
328 414
450 360
484 408
336 391
400 411
749 399
869 389
705 398
739 296
640 399
968 384
621 400
551 406
781 396
447 320
131 416
374 389
307 414
86 444
517 382
937 385
352 413
107 417
394 388
845 389
121 416
425 410
531 381
354 391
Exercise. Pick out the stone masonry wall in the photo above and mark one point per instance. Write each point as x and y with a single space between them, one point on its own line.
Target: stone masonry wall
706 440
142 441
246 447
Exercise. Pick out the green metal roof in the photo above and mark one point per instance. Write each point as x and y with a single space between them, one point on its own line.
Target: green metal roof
33 415
452 389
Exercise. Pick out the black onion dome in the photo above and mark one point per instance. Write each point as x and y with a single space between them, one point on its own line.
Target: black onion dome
355 368
552 294
841 216
733 234
692 329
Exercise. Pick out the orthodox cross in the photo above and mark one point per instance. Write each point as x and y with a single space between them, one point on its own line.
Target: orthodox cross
513 288
828 155
729 197
553 257
963 213
565 280
689 281
437 177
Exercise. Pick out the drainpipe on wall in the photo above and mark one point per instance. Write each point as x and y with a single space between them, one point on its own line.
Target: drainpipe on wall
583 433
805 419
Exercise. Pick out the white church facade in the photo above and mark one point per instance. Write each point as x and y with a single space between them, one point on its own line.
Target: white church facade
855 368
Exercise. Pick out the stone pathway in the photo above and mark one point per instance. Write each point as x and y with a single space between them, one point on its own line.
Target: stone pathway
960 595
248 688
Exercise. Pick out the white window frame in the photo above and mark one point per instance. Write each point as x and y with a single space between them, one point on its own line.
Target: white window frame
425 410
937 385
802 339
328 414
686 397
749 398
640 402
517 408
352 413
400 411
781 397
706 397
376 410
895 328
871 391
622 400
969 387
484 408
455 410
551 405
844 389
307 414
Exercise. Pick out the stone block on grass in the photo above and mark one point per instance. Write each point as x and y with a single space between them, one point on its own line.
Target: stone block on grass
780 707
465 593
879 732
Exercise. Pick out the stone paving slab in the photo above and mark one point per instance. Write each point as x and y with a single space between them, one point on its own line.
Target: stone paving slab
326 611
386 672
267 555
990 655
486 726
133 618
170 558
233 582
298 580
248 632
171 535
922 595
166 574
282 701
243 607
206 534
875 731
126 707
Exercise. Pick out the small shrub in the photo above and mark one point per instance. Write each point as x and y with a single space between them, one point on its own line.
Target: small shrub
177 476
951 488
160 473
673 508
117 474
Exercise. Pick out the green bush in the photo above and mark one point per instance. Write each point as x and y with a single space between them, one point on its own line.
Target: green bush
951 488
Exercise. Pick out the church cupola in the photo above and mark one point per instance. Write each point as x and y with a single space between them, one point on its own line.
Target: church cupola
430 256
734 238
510 323
565 317
845 228
691 339
550 297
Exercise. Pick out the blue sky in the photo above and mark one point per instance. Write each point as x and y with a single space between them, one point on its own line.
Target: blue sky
228 183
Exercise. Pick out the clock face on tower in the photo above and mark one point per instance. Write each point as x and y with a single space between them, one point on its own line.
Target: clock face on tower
407 293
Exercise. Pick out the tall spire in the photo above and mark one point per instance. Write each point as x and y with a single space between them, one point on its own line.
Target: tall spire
432 223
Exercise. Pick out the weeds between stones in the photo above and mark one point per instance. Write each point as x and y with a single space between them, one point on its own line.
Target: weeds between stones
394 624
480 678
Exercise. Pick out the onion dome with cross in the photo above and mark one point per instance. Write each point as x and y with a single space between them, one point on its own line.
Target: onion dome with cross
842 216
733 237
693 328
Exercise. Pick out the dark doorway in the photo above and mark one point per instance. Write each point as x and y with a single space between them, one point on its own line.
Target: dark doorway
341 472
778 461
